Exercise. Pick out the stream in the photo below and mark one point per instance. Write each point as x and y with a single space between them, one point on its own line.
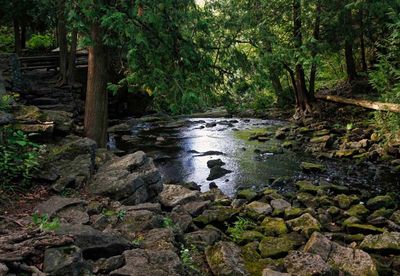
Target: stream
182 148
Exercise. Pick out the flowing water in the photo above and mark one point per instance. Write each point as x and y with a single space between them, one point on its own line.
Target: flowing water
182 148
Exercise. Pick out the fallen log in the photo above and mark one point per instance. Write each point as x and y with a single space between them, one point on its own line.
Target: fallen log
363 103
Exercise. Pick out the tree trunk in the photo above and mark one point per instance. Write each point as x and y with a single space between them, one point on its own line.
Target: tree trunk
96 106
314 51
363 103
72 57
274 76
62 42
23 36
348 48
362 42
17 37
302 97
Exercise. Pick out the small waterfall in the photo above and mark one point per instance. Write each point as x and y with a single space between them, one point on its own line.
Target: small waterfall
111 144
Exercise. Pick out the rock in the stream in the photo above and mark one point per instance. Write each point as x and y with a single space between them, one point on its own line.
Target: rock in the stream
349 260
173 195
141 262
66 260
388 242
225 259
217 172
131 179
312 167
56 204
215 163
94 243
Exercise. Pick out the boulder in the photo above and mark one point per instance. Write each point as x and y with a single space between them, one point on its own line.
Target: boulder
273 226
94 243
131 179
258 209
307 186
306 224
345 201
66 260
56 204
138 221
105 266
305 264
63 121
247 194
358 211
388 242
273 247
204 237
219 214
381 201
173 195
195 208
225 259
348 260
159 239
215 163
395 217
140 262
280 205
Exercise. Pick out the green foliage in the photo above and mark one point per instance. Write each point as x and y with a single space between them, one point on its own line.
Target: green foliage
40 42
137 242
44 223
186 256
168 223
6 40
5 102
121 215
239 226
18 158
385 78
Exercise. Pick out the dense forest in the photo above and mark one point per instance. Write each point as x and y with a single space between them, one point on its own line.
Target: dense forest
216 137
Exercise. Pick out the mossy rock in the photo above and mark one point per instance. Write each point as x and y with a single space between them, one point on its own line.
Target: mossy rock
307 199
29 113
247 194
381 201
254 263
357 228
308 187
388 242
382 212
345 153
273 226
395 217
257 209
217 215
270 193
250 236
292 213
324 201
287 145
275 247
358 211
306 224
345 201
312 167
351 220
337 189
333 211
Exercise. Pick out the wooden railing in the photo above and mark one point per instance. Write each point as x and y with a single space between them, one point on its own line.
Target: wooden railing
49 62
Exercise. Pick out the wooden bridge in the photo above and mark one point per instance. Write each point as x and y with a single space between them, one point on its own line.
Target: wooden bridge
50 61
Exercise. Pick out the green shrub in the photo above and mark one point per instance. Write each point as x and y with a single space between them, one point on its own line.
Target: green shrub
18 159
40 42
239 226
6 40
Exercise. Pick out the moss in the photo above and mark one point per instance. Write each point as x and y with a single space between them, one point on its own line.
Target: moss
382 212
345 201
357 228
312 167
396 217
307 187
358 211
306 223
273 247
333 211
273 226
249 236
292 213
247 194
382 201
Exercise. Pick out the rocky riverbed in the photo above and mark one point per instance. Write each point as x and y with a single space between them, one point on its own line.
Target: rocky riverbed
332 209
